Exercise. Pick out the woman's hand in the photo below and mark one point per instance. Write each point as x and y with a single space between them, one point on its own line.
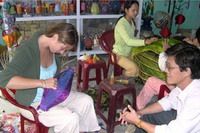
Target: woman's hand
188 40
165 44
49 83
128 115
151 40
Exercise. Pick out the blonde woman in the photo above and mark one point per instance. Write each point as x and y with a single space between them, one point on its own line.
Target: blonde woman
33 67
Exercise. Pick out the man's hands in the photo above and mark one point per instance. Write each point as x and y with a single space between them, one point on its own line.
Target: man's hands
129 115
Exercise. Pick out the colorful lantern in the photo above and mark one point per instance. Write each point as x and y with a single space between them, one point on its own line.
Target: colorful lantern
180 19
165 32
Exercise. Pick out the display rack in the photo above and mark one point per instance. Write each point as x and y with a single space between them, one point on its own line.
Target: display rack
79 24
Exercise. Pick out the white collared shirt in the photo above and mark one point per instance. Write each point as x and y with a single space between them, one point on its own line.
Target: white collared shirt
162 61
187 104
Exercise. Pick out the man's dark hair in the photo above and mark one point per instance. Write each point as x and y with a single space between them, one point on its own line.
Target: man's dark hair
198 34
186 56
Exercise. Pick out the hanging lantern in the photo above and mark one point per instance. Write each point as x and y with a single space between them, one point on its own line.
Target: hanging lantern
9 33
165 32
180 19
8 39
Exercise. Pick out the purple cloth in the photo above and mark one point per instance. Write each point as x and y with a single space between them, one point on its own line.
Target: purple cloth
53 97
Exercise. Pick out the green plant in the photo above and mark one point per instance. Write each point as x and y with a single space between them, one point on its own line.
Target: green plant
104 100
148 8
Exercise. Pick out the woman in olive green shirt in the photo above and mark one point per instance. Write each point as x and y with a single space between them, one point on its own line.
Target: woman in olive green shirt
33 67
125 39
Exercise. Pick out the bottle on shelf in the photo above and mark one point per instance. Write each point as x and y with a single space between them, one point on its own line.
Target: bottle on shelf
51 9
104 7
33 5
38 8
115 6
83 7
57 8
88 7
65 8
19 9
72 7
95 9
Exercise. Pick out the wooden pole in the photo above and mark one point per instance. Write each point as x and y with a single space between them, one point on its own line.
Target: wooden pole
172 14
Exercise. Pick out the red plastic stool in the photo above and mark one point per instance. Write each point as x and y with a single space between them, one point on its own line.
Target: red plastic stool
116 93
84 70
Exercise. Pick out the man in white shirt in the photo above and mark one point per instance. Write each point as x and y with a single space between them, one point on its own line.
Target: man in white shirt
179 112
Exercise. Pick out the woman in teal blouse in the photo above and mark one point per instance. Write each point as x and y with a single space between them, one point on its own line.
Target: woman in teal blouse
125 38
33 67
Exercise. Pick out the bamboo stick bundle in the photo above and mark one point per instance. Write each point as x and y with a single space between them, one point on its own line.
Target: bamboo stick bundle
4 58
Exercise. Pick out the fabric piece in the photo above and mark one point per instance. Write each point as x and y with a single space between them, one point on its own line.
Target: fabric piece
150 89
53 97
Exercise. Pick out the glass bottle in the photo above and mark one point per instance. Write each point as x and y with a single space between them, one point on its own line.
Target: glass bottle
72 8
19 9
65 8
38 8
83 7
95 8
33 5
57 8
88 6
